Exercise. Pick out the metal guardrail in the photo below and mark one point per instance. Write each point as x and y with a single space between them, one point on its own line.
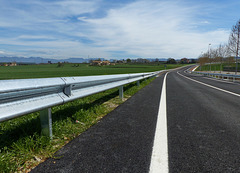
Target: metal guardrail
23 96
219 75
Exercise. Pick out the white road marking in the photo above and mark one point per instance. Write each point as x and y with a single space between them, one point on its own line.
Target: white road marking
229 92
195 68
159 160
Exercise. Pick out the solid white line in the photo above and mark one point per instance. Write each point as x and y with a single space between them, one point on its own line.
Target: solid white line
159 160
229 92
195 68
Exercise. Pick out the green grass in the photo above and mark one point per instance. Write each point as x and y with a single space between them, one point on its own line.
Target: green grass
51 70
217 67
214 67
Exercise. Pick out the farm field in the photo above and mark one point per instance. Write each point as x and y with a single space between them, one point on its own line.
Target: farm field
51 70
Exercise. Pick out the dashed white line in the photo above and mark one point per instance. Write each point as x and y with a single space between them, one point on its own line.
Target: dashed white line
229 92
159 160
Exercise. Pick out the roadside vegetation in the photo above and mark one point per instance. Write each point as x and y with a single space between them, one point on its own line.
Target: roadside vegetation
225 57
226 67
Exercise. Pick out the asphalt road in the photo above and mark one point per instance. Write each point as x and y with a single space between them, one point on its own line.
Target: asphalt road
203 125
203 130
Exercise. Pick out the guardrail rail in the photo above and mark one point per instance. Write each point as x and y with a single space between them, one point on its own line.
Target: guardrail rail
218 75
22 96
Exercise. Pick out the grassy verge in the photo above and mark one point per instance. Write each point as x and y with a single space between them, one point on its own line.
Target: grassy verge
218 67
23 147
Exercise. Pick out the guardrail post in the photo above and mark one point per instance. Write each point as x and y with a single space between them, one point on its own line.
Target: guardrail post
138 83
46 122
121 92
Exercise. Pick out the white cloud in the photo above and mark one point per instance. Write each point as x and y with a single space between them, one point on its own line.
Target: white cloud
34 37
205 22
30 13
82 18
154 28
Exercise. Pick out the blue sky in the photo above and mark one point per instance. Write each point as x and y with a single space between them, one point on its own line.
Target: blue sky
114 29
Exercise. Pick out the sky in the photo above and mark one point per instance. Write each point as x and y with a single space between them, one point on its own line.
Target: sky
114 28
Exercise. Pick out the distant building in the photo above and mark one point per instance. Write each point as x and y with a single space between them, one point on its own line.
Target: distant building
13 64
140 60
100 63
96 63
8 64
105 63
184 61
119 61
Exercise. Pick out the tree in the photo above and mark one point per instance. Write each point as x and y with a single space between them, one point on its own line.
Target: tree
171 61
222 53
215 57
203 60
129 60
193 61
60 64
184 61
234 41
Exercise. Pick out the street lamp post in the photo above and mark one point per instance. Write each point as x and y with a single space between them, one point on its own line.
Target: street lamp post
236 69
201 64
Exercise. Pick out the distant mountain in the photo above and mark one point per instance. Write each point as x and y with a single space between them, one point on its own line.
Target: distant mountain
38 60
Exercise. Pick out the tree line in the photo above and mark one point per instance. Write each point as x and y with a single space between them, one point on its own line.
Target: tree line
228 52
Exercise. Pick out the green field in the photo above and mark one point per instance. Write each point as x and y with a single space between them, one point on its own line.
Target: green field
21 144
51 70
